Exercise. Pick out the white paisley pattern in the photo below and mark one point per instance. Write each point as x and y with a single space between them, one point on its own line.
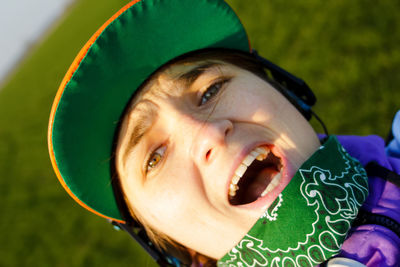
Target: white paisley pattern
272 214
332 199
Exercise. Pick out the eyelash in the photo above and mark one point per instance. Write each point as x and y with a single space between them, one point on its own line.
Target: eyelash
150 160
212 91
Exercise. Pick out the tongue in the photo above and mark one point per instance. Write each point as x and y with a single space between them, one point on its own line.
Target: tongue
259 184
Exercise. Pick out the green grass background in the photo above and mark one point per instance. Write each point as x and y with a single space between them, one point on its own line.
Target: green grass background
347 51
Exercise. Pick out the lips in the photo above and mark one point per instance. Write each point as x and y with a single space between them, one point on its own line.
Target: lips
257 175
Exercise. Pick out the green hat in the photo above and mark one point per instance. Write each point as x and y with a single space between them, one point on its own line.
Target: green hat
127 49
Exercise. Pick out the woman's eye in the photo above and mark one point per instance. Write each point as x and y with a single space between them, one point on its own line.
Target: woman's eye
211 91
155 158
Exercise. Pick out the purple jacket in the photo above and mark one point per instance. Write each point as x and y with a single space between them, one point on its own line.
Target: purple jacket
374 245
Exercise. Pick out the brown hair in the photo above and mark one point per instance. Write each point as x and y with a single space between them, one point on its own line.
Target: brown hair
240 59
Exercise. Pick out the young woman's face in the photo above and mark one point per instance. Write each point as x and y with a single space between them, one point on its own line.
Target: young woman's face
180 169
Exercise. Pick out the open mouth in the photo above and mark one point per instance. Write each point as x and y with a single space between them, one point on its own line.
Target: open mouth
256 176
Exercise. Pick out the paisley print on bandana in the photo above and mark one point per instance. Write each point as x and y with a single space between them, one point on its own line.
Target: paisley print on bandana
309 221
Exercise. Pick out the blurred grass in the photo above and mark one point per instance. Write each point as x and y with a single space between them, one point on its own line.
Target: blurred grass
347 51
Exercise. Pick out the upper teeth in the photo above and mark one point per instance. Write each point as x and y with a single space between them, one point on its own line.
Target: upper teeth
259 153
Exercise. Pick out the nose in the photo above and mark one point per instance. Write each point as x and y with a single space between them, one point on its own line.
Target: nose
209 139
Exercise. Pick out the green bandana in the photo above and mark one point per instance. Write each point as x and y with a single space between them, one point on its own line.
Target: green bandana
309 221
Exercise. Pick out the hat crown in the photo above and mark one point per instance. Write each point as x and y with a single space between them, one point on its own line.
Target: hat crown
126 50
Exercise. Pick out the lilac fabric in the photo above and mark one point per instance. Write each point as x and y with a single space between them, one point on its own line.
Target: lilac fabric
393 149
374 245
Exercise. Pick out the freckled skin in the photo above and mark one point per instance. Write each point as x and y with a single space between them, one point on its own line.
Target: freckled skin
186 195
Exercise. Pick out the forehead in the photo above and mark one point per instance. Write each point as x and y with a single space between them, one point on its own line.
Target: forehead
172 81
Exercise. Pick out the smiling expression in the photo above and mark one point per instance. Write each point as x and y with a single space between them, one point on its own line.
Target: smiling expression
200 159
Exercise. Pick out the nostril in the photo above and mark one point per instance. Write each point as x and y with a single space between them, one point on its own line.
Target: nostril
208 154
227 131
229 128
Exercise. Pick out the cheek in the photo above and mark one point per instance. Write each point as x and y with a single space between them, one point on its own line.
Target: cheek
165 208
168 200
259 104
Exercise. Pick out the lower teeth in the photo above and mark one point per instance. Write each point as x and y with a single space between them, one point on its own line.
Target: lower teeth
272 185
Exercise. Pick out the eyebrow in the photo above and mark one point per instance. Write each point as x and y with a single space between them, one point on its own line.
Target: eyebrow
189 77
145 112
144 115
